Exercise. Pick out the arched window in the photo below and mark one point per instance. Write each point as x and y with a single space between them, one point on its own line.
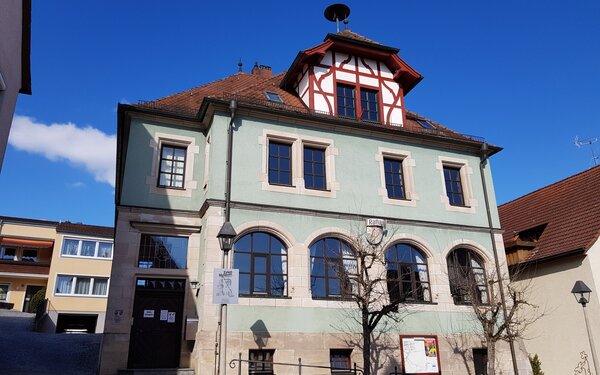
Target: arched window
407 276
332 266
467 277
262 261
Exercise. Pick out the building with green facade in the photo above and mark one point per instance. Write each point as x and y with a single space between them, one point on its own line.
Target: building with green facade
316 153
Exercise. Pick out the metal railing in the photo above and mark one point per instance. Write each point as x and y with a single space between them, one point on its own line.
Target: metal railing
238 363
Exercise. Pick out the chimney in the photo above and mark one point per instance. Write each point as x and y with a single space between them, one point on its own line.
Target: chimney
262 71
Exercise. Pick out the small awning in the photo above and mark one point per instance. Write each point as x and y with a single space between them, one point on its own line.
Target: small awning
10 241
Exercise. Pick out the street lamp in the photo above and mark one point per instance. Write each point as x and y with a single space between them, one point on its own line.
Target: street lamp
582 295
226 236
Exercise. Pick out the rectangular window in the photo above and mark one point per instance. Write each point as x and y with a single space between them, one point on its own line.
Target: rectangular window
172 167
261 362
29 256
394 180
3 292
339 359
314 168
346 101
280 163
454 188
81 286
7 253
163 252
369 104
86 248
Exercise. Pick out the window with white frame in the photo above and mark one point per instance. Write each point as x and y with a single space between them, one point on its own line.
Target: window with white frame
298 164
81 286
8 253
86 248
4 292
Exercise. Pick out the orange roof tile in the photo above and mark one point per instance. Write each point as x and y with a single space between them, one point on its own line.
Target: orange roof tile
570 208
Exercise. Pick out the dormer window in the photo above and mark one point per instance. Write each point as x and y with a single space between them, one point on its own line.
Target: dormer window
346 101
273 97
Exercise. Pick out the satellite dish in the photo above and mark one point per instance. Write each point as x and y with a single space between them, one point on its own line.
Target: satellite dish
336 13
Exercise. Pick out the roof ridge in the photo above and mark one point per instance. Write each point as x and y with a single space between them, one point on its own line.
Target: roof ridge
548 186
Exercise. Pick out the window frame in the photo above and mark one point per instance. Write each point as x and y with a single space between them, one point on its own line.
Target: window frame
414 270
142 243
74 279
470 203
7 292
81 240
3 254
346 287
268 263
342 87
344 354
278 171
35 257
452 177
392 173
267 366
407 163
466 272
314 163
174 147
366 105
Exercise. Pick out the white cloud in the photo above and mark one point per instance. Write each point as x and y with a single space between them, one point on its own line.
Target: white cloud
86 147
77 184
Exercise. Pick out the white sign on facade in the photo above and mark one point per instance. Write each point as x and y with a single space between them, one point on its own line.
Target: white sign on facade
148 313
171 317
420 355
163 314
226 286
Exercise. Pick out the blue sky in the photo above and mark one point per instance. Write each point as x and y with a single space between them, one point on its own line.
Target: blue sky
523 74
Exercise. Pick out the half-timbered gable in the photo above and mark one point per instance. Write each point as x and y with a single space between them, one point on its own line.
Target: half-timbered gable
351 76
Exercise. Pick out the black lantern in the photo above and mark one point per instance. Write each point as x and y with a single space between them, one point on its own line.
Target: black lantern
226 236
581 292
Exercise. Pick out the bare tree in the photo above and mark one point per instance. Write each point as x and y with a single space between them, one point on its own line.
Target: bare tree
366 281
471 285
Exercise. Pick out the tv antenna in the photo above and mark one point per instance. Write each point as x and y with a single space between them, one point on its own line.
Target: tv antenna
336 13
589 142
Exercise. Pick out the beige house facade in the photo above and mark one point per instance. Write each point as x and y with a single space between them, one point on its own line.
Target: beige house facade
552 240
72 261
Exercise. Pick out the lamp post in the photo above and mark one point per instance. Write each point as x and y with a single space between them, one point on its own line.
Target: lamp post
225 236
582 295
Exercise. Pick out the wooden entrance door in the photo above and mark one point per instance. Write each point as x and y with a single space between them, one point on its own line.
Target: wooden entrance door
29 292
155 338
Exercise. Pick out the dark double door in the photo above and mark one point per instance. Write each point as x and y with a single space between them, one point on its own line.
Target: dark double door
155 339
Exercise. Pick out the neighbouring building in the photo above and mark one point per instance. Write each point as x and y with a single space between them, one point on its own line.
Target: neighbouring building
72 261
15 75
551 241
315 151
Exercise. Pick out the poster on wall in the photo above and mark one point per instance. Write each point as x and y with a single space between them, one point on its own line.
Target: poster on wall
420 354
226 286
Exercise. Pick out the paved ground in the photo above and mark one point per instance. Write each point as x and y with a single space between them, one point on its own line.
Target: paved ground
24 352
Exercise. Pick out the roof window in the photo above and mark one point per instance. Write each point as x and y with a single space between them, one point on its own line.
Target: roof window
426 124
273 97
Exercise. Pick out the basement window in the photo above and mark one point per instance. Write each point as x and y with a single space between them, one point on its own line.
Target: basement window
273 97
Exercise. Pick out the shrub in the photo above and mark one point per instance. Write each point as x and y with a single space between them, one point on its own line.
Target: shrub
536 365
37 300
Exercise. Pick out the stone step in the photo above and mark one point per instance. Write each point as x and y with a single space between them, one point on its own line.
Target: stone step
158 371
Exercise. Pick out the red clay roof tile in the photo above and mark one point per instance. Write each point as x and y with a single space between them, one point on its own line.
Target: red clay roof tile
570 208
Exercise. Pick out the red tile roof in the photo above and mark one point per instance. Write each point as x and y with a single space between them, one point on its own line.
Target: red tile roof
570 208
352 35
246 87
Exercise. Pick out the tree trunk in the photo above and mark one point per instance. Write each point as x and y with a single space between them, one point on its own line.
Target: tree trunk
366 342
491 352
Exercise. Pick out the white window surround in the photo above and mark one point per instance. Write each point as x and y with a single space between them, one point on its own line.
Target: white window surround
408 163
79 246
206 163
465 179
74 283
297 143
192 149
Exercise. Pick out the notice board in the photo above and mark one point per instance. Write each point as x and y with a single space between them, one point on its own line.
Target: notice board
420 354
